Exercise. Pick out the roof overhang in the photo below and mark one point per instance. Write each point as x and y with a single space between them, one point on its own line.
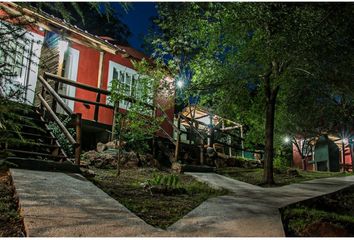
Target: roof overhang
51 23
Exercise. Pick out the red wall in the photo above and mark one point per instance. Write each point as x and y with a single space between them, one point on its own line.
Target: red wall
88 74
297 160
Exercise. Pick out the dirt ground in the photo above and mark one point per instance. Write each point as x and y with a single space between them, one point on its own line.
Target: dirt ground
11 223
159 210
331 215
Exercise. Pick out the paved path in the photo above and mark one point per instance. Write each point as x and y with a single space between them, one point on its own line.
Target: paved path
250 211
58 204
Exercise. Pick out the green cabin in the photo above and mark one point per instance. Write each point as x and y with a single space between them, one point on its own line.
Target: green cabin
326 155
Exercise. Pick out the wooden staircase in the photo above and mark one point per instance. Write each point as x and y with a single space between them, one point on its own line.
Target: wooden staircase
34 146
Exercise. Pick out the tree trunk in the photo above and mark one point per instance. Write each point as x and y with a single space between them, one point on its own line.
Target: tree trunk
269 136
271 95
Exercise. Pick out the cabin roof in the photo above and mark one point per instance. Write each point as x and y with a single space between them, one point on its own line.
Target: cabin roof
48 21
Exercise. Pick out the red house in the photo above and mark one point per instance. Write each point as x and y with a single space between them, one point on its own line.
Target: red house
93 61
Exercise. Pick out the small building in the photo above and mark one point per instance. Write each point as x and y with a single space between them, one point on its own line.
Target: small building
65 51
324 153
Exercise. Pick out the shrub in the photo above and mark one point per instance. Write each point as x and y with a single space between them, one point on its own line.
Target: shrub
63 141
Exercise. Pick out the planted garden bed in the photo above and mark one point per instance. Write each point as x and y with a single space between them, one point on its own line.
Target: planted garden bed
331 215
157 197
11 223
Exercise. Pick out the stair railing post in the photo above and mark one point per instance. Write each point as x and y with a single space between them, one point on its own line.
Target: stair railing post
54 103
78 125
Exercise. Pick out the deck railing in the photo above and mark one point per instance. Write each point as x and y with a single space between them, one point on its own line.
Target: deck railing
76 117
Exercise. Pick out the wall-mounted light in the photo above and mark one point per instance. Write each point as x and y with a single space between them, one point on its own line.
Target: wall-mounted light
286 139
180 84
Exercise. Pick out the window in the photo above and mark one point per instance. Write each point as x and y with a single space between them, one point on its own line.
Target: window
12 57
128 79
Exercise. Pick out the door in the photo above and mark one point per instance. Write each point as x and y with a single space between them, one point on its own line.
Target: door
70 68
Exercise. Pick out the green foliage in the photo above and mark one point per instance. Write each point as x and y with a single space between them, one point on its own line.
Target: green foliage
300 217
63 141
247 57
280 163
98 18
139 124
168 181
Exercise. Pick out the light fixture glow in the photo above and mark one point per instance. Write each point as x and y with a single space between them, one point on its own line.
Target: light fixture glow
286 139
41 29
180 84
345 140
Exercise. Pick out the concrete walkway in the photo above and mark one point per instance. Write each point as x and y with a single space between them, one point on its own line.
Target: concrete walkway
56 204
250 211
67 205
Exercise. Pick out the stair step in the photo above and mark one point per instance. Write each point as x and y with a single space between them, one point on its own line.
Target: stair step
41 165
33 144
20 152
31 135
37 120
32 129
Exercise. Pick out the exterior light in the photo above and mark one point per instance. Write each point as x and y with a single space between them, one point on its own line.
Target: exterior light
286 139
345 140
180 84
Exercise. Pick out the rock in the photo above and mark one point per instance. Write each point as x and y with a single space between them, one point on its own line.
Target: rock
101 147
176 167
88 173
130 160
99 160
292 172
109 145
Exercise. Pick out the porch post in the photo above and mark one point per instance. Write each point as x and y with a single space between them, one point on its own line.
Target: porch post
99 85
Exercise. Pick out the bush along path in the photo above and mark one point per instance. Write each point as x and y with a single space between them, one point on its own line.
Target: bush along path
330 215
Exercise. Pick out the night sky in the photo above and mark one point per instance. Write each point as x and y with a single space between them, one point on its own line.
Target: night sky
138 21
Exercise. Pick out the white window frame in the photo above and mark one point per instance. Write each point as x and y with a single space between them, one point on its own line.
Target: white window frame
125 71
28 68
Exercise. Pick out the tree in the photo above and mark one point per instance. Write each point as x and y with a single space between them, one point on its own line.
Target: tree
136 127
246 57
102 19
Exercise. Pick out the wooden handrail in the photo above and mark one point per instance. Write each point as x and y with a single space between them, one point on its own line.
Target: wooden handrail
55 95
76 84
89 88
57 120
167 119
85 101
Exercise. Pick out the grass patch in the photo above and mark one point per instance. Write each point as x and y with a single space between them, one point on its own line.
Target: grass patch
255 175
158 210
326 216
11 223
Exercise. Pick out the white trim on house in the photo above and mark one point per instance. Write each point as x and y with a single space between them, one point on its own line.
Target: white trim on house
126 76
27 69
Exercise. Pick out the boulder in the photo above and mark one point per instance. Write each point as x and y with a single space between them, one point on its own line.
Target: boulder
109 145
292 172
176 167
101 147
88 173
